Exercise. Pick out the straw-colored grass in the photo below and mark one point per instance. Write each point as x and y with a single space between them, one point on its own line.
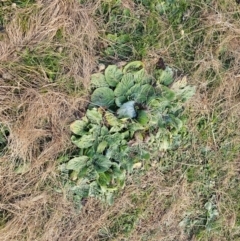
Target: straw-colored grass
47 53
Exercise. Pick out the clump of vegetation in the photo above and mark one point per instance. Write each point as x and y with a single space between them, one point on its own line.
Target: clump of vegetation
131 115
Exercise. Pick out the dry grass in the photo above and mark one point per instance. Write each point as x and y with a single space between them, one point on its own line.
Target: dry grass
37 112
38 109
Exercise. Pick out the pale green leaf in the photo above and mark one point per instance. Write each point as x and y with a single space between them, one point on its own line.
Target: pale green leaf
77 163
166 77
164 144
102 146
111 119
94 116
113 75
78 127
133 66
186 93
115 129
98 80
74 175
168 93
84 142
127 110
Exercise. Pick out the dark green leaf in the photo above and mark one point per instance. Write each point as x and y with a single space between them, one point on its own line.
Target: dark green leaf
103 96
142 117
101 163
104 179
121 100
126 83
142 77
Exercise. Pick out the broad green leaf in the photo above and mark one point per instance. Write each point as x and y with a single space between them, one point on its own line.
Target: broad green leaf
103 96
126 83
104 179
94 116
98 80
78 127
125 134
119 101
142 117
77 163
84 142
134 91
101 163
168 93
114 139
140 93
159 104
102 146
133 66
166 77
104 131
145 92
95 130
142 77
113 75
111 119
127 110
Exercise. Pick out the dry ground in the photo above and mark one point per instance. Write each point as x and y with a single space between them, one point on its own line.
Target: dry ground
38 101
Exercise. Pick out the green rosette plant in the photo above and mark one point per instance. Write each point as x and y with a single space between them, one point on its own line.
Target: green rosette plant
133 117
